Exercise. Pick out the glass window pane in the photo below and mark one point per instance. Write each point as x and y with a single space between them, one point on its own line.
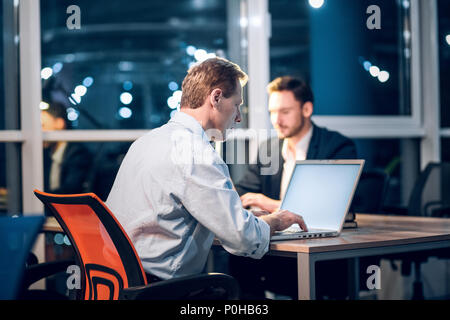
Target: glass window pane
444 63
121 68
10 179
85 167
9 67
353 70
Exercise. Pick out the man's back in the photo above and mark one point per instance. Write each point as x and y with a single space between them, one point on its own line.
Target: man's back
172 195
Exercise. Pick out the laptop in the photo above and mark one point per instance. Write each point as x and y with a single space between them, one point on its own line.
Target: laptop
321 191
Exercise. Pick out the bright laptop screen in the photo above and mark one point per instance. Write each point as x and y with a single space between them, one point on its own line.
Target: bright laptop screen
320 193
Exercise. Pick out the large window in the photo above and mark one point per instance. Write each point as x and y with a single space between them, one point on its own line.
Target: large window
123 68
10 182
10 152
353 70
9 67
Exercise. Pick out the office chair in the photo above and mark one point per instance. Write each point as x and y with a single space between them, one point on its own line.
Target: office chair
371 192
17 236
431 194
430 197
109 265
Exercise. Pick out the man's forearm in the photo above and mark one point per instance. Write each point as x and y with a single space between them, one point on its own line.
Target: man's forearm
274 205
273 221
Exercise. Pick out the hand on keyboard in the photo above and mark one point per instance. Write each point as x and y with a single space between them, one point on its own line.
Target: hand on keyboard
294 229
282 220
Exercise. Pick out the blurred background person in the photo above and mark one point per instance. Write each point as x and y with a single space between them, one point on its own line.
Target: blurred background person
66 164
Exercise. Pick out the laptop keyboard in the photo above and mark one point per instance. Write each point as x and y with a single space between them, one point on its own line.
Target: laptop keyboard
295 228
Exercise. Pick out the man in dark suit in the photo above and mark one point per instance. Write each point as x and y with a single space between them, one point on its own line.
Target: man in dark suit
291 105
66 165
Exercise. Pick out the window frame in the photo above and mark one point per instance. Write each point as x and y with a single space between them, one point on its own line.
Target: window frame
425 91
424 84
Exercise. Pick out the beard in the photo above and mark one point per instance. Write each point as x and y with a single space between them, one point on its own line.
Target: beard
291 132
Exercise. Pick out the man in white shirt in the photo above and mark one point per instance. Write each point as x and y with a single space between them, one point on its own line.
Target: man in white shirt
173 193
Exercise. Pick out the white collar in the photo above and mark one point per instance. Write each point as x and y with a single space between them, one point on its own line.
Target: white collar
189 122
302 146
59 152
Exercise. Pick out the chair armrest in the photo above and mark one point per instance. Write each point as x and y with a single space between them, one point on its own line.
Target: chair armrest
40 271
202 286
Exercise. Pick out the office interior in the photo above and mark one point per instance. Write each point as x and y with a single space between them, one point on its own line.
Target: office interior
117 67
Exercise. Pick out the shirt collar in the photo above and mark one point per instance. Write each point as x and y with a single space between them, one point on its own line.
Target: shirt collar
190 123
303 144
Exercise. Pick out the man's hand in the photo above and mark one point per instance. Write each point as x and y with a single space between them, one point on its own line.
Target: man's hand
261 201
283 219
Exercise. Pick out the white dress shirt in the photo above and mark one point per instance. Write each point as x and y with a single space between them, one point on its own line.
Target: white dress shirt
55 169
301 150
173 194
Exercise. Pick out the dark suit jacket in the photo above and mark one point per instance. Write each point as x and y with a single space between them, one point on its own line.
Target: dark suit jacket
75 167
324 145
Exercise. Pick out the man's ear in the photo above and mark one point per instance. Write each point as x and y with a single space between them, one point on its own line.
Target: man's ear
215 97
307 109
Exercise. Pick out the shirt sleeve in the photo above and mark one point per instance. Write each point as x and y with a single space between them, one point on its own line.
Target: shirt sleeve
211 200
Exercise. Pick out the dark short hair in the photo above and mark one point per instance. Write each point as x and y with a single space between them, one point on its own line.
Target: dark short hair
301 90
208 75
58 110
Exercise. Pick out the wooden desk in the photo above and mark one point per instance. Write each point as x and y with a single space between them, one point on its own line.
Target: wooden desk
376 235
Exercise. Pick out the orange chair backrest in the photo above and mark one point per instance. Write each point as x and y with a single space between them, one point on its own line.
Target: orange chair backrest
108 259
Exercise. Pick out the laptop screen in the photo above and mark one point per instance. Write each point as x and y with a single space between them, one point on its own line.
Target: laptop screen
320 193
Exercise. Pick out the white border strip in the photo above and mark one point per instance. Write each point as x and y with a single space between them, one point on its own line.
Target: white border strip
93 135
